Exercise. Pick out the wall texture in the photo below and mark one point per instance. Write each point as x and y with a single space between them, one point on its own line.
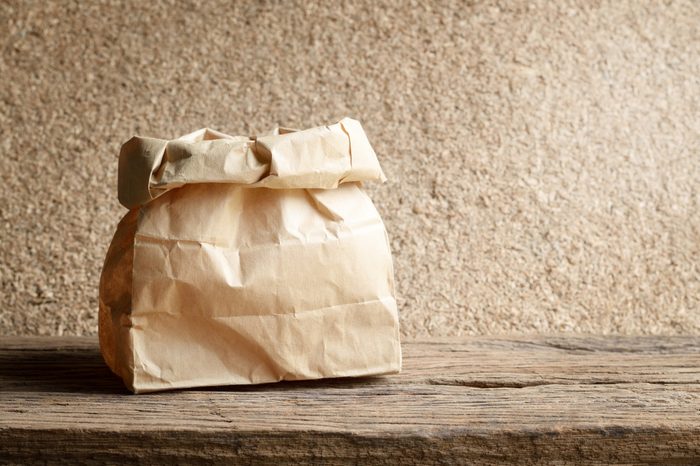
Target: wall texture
543 157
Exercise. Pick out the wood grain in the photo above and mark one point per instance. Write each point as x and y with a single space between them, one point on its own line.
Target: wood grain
578 400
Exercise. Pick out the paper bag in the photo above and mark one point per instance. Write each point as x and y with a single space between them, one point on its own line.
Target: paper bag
248 260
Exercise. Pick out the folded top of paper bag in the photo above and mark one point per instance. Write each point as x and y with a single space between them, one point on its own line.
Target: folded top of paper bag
320 157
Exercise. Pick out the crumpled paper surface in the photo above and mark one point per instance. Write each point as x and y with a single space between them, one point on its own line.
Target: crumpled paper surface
248 260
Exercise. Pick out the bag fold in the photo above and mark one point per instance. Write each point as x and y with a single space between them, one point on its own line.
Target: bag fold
321 157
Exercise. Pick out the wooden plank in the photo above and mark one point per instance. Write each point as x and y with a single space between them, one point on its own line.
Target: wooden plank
475 400
474 361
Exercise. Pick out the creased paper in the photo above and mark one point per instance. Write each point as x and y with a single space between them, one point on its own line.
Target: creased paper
248 260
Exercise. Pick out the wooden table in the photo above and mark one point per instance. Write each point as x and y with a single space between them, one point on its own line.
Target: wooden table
582 400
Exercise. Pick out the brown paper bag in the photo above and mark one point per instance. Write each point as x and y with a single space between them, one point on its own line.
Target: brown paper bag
245 261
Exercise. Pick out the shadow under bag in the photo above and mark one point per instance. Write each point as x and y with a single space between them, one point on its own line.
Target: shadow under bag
248 260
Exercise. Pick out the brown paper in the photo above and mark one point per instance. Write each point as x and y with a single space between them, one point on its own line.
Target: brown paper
248 260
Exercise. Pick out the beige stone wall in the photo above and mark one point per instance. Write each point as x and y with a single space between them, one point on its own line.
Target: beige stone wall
543 157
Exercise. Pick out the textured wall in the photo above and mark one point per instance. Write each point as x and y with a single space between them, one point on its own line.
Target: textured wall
544 157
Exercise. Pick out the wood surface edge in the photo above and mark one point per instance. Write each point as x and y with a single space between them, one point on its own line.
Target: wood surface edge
619 445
